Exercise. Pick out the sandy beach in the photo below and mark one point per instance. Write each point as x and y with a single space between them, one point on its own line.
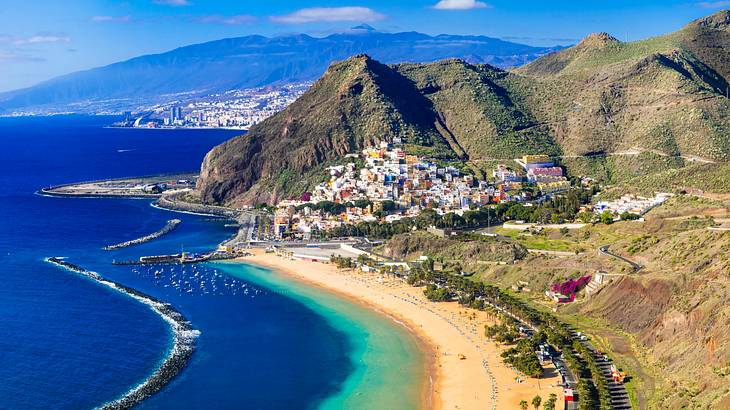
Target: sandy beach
446 331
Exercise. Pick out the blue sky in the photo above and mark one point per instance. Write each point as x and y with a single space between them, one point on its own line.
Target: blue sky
40 39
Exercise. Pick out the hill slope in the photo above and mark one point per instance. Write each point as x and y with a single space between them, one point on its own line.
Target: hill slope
646 107
667 93
254 61
448 109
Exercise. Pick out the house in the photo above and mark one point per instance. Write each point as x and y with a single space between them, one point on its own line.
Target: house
535 161
545 174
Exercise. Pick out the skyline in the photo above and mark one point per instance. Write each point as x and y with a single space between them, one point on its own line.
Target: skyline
68 38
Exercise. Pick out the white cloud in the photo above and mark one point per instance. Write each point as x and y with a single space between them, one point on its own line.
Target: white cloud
173 2
714 4
42 39
111 19
460 5
329 14
229 20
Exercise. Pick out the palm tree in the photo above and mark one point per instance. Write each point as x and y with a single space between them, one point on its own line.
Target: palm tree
550 404
536 402
523 404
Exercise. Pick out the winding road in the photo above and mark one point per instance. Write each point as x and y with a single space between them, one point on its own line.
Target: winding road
604 250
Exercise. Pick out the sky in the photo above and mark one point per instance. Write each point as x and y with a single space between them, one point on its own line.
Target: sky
42 39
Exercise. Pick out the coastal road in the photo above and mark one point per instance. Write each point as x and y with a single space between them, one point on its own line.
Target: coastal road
619 396
570 380
604 250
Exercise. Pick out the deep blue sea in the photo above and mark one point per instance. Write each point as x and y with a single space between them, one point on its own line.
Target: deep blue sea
68 343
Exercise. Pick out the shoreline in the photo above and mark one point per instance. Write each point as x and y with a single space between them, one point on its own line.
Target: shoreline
176 359
171 203
443 332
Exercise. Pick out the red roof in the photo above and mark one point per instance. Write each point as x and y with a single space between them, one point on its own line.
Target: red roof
552 171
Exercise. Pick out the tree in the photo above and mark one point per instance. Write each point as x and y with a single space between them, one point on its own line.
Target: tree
585 217
523 404
550 403
607 217
389 206
628 216
362 203
536 402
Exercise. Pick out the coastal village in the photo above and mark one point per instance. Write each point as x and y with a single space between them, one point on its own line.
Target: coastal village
384 184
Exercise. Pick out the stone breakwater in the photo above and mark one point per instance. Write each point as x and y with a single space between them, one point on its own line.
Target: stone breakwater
173 202
169 227
184 336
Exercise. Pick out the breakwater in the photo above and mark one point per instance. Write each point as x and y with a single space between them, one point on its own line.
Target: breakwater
173 202
184 336
178 259
169 227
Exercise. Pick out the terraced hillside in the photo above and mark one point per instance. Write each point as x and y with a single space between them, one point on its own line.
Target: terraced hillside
678 308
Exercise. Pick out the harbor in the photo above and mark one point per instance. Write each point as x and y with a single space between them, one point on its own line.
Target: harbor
179 258
152 186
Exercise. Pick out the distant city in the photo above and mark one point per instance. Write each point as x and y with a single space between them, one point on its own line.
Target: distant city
234 109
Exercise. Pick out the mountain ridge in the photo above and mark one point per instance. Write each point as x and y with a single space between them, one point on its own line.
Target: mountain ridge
253 61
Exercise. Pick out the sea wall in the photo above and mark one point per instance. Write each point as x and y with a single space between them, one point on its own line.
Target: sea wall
169 227
184 336
173 203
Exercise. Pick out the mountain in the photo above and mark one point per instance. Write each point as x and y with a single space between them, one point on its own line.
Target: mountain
665 95
448 109
253 61
605 108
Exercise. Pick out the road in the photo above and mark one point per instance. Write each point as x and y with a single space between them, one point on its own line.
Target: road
604 250
619 396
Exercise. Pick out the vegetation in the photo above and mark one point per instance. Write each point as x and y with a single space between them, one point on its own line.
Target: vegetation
501 333
606 217
550 403
699 177
464 249
558 209
592 387
664 95
436 294
523 358
342 263
536 401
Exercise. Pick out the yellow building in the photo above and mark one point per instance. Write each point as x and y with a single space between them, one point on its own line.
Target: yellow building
551 187
535 159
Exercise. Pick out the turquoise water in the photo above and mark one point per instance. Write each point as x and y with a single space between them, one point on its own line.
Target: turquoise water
389 366
69 343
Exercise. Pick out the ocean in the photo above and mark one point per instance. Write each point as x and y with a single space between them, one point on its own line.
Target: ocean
265 342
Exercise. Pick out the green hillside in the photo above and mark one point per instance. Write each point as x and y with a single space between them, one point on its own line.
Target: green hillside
607 109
